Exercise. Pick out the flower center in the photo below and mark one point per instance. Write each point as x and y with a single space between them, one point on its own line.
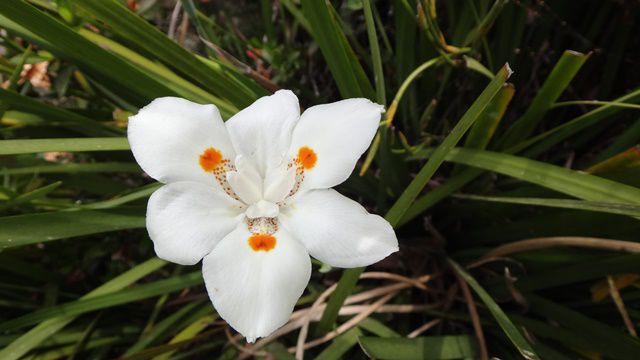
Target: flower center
263 194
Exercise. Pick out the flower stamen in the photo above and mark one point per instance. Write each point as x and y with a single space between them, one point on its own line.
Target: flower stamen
211 160
305 160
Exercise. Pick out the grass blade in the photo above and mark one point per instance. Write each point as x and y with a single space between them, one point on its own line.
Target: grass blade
503 320
620 345
45 329
576 273
567 181
485 25
375 52
107 300
137 30
397 211
347 71
452 185
28 229
12 147
57 115
482 131
567 67
340 345
176 83
73 168
119 75
189 333
345 286
428 347
31 195
611 208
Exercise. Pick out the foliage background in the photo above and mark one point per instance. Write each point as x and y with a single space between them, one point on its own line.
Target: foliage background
516 203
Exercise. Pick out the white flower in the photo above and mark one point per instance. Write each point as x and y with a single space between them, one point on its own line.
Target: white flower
252 197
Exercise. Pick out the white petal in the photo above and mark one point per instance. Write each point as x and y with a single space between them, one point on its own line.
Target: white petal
278 182
168 136
338 230
249 169
186 220
255 291
338 133
262 131
246 182
262 208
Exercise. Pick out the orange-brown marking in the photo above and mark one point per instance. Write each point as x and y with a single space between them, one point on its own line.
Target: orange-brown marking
262 242
210 159
307 157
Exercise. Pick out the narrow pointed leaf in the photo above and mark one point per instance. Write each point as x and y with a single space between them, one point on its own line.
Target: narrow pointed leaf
503 320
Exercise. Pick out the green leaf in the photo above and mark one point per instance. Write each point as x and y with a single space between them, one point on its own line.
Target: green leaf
205 31
171 322
626 140
132 27
546 139
398 209
28 229
503 320
375 52
475 65
139 193
483 129
561 132
345 286
342 61
575 273
107 300
377 328
297 14
15 76
450 186
172 80
567 181
115 73
31 195
340 345
56 115
427 348
625 160
189 332
45 329
393 108
485 25
611 208
623 345
571 340
11 147
559 78
73 168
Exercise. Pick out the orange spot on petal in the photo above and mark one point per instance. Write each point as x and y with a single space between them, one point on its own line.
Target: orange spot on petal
307 157
262 242
210 159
